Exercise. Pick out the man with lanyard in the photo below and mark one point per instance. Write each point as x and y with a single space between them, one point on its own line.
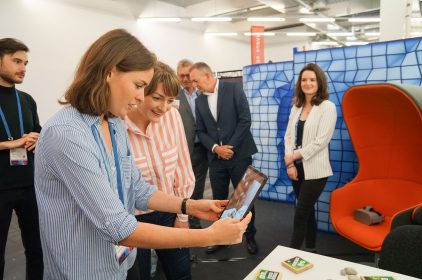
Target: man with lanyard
198 153
19 131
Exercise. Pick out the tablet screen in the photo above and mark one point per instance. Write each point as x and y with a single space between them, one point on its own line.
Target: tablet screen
244 195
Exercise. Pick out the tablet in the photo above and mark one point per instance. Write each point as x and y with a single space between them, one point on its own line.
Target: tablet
244 195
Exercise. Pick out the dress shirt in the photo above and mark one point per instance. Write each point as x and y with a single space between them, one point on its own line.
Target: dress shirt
212 98
191 100
81 215
212 103
162 155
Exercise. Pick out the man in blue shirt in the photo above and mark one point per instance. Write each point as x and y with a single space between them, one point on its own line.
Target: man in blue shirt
198 152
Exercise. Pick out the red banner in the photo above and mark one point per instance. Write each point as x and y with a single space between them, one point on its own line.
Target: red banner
257 45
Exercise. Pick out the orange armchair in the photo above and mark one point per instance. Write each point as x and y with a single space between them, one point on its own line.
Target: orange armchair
385 126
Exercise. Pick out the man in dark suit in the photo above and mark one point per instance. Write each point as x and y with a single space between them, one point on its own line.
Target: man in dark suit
187 96
223 124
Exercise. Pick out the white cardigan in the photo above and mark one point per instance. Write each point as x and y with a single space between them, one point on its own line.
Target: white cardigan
317 132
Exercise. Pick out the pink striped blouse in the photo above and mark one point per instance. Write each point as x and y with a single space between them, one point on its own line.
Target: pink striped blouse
162 155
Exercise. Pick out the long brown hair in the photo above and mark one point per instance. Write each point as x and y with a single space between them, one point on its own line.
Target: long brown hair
165 75
89 92
322 92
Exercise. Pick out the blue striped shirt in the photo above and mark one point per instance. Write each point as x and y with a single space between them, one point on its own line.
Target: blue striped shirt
81 215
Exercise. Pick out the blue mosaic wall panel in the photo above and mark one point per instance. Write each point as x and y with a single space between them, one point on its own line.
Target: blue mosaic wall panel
395 61
269 89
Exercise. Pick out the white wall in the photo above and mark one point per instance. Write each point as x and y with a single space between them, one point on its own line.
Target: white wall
284 52
58 34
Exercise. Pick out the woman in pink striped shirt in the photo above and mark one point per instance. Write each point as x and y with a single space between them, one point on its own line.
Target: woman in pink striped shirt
161 153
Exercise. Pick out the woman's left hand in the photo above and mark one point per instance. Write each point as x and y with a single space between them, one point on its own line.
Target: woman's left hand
288 159
292 173
206 209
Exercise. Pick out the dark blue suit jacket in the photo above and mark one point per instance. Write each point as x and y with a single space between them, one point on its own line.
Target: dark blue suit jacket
232 126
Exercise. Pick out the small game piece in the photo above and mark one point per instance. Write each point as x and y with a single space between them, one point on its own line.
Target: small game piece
264 274
297 264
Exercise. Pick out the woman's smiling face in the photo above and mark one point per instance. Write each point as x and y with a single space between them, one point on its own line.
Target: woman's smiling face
155 105
309 83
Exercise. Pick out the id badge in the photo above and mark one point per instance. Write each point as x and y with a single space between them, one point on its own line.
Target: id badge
122 252
18 156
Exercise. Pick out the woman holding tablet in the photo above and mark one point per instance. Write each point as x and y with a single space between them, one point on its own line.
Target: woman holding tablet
311 125
87 184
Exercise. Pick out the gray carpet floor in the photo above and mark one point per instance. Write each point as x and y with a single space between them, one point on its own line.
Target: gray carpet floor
274 222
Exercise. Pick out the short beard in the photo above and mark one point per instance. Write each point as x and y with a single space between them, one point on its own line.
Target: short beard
9 79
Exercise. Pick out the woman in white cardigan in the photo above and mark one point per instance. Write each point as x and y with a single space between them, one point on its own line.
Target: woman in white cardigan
311 125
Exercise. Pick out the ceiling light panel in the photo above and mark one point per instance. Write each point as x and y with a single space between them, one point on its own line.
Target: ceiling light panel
340 34
317 19
211 19
259 34
269 19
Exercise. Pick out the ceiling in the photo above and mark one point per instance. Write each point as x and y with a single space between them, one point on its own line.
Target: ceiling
240 10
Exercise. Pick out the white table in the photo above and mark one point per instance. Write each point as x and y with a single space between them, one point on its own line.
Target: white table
324 267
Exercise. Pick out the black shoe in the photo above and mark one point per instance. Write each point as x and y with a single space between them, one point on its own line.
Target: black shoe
214 248
251 245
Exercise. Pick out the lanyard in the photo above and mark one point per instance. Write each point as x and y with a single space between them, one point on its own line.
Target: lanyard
3 118
116 158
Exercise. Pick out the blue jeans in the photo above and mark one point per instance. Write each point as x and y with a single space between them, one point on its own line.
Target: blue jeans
175 262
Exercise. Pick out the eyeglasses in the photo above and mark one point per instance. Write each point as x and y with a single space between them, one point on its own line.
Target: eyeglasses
184 76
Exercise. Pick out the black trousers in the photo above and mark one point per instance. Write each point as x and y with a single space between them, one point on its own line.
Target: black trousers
175 262
220 178
307 193
200 168
24 203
